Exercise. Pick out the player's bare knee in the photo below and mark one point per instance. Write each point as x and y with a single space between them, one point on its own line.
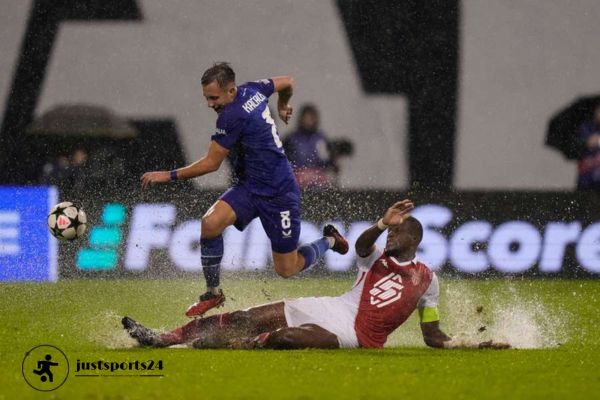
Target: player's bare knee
211 228
285 271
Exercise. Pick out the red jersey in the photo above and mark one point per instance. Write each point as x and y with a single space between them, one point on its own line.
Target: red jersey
386 292
391 291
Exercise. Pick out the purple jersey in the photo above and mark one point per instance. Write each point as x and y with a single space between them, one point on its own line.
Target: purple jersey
246 128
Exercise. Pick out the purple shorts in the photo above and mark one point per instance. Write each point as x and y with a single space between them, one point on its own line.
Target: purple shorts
279 216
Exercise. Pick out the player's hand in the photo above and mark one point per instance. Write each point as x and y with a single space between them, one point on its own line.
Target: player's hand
285 112
151 178
397 213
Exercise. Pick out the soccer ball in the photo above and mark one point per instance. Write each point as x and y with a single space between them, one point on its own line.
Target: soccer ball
66 221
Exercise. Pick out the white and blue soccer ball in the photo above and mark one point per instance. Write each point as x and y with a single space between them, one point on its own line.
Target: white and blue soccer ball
66 221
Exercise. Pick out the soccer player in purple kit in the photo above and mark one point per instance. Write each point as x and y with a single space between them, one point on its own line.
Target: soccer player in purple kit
264 184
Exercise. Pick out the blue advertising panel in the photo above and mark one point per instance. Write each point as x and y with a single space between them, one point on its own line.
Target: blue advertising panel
28 252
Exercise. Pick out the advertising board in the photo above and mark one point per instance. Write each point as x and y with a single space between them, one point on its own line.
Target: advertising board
466 234
27 250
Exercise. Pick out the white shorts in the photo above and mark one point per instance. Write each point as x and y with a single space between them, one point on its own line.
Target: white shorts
330 313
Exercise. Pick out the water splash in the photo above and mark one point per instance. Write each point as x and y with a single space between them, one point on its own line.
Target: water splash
108 331
527 326
522 320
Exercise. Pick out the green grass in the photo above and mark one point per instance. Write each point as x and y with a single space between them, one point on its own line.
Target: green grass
82 318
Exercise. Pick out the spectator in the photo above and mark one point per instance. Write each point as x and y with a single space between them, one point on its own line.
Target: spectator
55 172
589 164
308 151
79 170
68 173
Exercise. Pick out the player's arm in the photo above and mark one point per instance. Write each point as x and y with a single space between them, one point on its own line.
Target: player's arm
365 244
433 336
430 328
429 316
284 86
209 163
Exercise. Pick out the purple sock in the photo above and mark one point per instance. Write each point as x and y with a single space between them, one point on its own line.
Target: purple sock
313 251
212 253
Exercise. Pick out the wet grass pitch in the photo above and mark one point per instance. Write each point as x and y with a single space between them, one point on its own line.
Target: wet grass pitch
553 322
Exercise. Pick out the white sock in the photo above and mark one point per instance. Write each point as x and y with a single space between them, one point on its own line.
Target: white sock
331 241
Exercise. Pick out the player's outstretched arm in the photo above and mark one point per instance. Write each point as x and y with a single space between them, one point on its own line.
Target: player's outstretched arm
284 86
209 163
435 337
393 216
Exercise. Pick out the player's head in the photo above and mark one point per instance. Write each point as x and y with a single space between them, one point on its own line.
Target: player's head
404 237
218 85
309 118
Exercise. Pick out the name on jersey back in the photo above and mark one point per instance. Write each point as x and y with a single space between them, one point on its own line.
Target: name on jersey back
253 102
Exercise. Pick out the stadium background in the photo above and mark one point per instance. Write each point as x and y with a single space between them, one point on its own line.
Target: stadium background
464 118
446 102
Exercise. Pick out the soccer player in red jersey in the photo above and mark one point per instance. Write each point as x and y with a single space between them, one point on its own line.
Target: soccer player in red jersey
391 284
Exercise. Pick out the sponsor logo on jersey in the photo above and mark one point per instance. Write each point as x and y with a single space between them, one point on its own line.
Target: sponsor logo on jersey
387 290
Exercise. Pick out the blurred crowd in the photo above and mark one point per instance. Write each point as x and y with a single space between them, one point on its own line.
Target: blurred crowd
316 159
80 171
